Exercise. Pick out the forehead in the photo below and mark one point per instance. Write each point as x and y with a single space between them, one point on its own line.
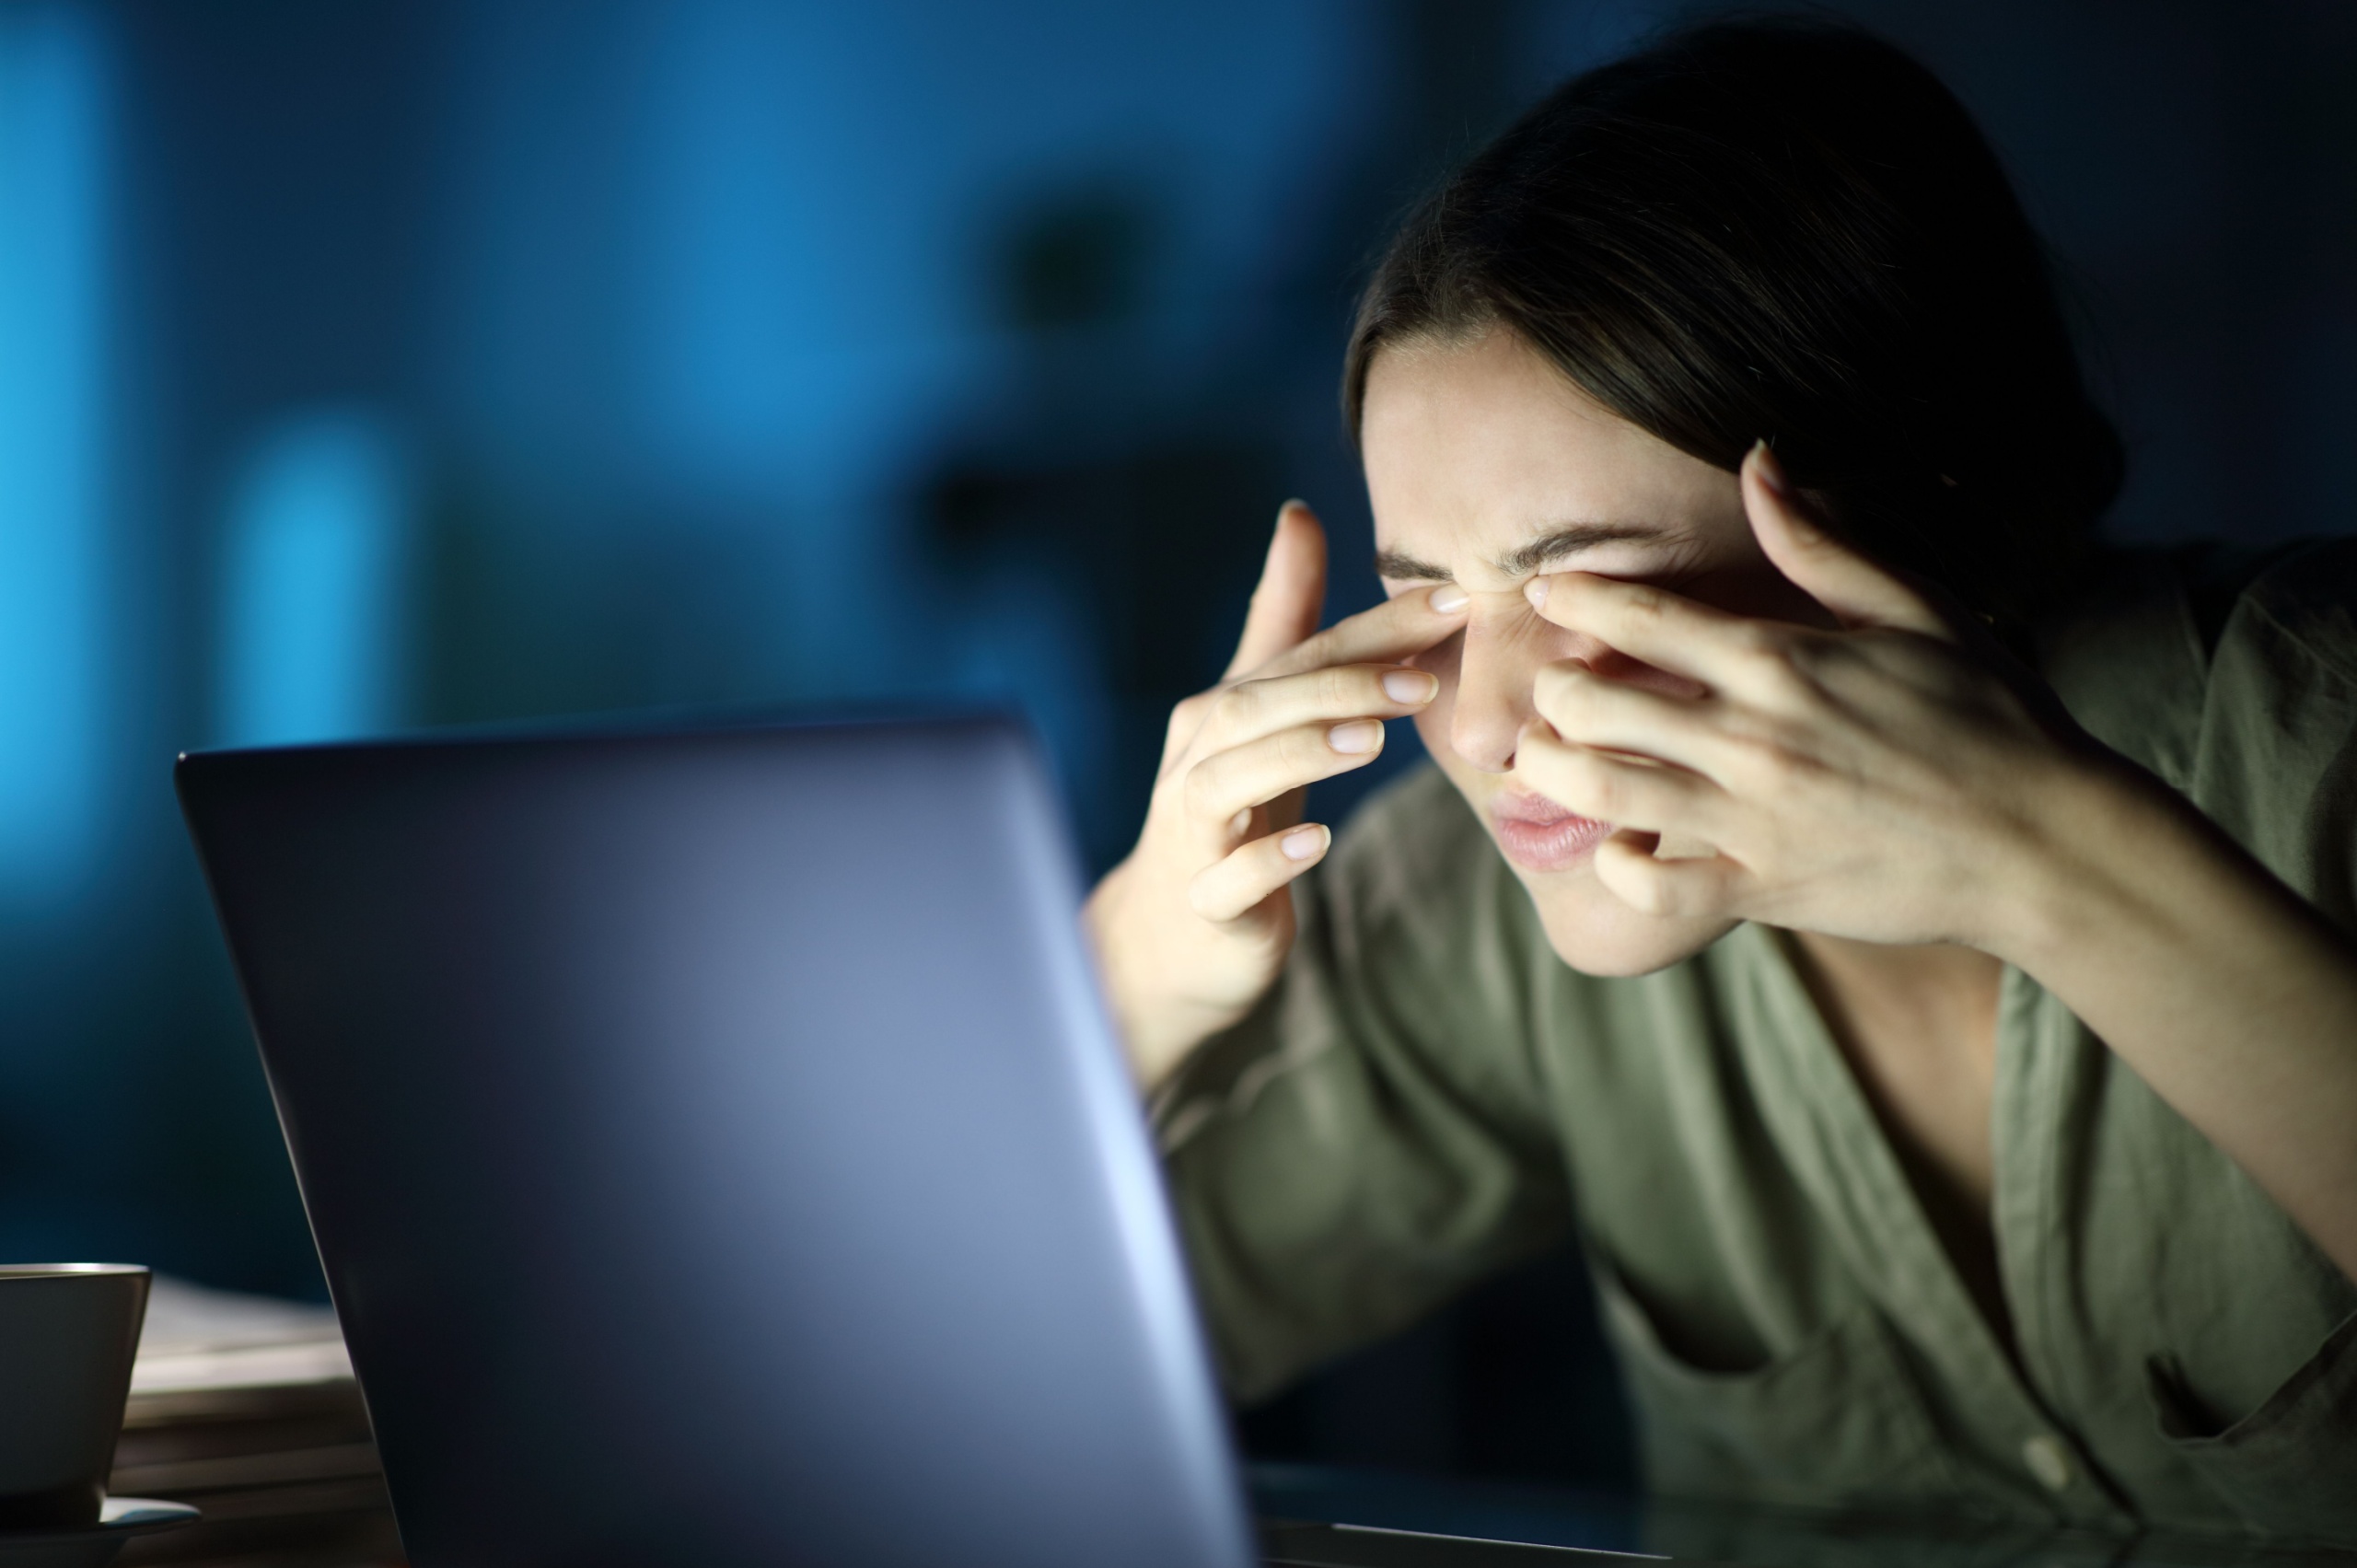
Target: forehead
1474 447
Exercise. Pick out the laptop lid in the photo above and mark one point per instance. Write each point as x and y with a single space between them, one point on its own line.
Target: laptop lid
716 1150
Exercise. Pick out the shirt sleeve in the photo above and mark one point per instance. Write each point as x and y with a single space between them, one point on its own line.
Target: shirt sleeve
2275 755
1372 1138
2232 674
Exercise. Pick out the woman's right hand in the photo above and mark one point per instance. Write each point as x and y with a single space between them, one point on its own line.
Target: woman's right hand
1193 926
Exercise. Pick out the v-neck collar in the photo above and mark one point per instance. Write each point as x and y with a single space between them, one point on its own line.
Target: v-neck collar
1812 1102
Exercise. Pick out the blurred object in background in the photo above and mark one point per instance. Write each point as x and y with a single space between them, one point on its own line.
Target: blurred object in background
402 363
245 1407
55 337
314 575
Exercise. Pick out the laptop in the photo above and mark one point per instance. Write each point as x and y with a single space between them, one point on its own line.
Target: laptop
717 1151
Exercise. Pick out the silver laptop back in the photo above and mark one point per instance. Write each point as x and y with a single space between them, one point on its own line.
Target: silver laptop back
716 1151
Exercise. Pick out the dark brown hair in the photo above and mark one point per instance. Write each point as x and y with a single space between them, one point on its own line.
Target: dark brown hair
1784 229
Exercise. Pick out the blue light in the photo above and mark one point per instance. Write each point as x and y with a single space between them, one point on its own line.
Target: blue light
313 586
52 246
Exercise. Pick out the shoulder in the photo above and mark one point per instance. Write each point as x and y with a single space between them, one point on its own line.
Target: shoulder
2151 640
2305 599
2232 673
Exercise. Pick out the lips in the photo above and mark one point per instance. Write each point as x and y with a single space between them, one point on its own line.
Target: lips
1539 835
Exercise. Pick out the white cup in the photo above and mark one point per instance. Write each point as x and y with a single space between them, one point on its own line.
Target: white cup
68 1332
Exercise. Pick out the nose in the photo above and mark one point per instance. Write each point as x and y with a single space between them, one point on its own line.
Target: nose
1504 646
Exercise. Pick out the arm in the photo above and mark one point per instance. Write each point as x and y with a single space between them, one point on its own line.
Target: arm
1896 780
2224 989
1373 1136
1349 1128
1193 928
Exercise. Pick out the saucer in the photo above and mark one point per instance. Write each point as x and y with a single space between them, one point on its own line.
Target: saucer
92 1546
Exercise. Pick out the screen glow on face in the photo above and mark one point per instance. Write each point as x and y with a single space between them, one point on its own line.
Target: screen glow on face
1486 465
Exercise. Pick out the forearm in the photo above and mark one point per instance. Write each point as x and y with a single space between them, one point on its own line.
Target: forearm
2219 985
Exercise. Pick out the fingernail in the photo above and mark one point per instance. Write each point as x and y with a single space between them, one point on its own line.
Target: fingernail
1535 591
1772 472
1302 843
1410 686
1359 735
1447 599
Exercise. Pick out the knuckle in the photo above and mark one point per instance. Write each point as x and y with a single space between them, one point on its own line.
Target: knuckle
1315 649
1645 602
1200 787
1303 750
1556 685
1762 642
1185 722
1773 762
1782 666
1236 704
1607 791
1204 895
1539 747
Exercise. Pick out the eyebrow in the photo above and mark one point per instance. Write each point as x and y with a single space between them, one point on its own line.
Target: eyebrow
1543 550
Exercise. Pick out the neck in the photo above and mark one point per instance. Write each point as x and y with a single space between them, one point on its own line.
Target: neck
1919 1027
1938 990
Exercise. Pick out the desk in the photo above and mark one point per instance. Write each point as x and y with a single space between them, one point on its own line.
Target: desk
1414 1516
245 1406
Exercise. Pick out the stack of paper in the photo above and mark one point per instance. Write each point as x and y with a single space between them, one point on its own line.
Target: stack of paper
245 1406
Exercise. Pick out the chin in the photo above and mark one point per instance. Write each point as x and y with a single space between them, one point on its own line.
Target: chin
1590 929
1596 933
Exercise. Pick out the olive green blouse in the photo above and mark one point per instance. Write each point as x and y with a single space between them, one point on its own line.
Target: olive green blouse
1429 1094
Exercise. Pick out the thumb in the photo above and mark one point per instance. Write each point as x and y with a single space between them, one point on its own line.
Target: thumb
1858 592
1291 591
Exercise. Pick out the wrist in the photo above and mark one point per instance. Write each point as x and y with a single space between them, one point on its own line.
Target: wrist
2098 850
1149 1027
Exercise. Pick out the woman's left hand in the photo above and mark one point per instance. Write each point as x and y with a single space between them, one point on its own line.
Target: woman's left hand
1895 777
1889 777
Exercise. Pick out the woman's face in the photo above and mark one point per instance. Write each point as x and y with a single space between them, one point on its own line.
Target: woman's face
1487 466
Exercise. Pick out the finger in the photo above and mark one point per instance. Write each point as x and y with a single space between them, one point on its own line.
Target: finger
1291 594
1258 771
1651 625
1702 887
1588 709
1858 592
1250 709
1628 792
1237 883
1397 628
1185 722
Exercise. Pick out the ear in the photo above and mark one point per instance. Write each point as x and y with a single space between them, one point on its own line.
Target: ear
1858 592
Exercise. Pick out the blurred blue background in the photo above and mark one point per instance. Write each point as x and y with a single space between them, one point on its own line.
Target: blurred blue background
402 363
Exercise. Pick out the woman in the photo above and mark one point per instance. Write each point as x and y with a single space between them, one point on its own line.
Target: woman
1905 944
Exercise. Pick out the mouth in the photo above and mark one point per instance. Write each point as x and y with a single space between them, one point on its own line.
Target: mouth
1539 835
